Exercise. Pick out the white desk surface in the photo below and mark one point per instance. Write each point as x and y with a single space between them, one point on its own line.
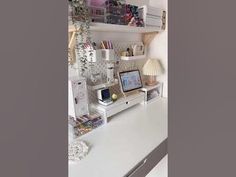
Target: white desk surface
123 142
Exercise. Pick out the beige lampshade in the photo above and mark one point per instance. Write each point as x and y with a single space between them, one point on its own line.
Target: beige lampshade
152 67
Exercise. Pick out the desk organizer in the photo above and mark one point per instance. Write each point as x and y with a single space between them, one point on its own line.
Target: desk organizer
85 124
100 54
108 11
115 19
94 55
115 12
122 46
97 14
108 54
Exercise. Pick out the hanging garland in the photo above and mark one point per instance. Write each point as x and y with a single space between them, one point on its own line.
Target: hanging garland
81 20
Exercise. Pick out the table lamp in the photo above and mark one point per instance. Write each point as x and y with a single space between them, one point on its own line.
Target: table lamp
152 68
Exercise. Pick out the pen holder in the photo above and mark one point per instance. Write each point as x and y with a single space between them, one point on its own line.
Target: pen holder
94 55
108 54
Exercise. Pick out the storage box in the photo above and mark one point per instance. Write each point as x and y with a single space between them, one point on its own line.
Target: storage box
115 19
108 11
153 16
115 11
97 14
84 124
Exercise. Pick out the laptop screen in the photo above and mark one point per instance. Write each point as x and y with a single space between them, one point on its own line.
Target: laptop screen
130 80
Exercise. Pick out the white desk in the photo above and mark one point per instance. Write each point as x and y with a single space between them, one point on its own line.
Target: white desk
161 169
122 143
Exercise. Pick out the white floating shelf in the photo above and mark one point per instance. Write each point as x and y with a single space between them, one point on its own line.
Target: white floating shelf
104 27
103 85
139 57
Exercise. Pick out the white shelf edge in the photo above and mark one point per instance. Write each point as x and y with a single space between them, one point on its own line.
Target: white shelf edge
140 57
104 27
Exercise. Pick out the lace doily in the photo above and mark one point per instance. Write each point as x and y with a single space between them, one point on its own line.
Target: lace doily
77 150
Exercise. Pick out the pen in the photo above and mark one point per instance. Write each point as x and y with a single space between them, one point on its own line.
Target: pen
111 45
102 44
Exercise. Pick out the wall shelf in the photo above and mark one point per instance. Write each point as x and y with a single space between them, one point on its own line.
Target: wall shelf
103 27
132 58
103 85
148 33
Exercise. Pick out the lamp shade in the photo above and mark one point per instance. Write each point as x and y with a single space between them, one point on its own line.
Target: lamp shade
152 67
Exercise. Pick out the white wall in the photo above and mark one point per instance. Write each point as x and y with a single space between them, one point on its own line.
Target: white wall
159 46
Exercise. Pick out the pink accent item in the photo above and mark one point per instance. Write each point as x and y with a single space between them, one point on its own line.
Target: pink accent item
97 3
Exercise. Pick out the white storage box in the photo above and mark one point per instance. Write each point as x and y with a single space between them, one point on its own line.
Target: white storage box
94 55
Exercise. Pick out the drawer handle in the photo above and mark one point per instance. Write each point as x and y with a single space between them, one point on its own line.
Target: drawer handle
127 102
137 168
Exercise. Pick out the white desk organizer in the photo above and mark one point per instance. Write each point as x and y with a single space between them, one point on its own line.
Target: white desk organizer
94 55
108 54
121 104
100 54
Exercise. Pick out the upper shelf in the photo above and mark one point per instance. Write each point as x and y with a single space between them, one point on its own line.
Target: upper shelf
103 27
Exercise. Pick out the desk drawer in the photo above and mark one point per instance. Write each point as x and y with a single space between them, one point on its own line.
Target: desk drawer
149 162
124 106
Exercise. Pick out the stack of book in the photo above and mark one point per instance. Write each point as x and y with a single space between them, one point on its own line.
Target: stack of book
152 16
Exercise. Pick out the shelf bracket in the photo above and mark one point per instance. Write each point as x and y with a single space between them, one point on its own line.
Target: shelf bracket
148 37
71 40
71 50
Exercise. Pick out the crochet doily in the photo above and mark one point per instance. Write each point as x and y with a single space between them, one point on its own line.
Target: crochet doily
77 150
